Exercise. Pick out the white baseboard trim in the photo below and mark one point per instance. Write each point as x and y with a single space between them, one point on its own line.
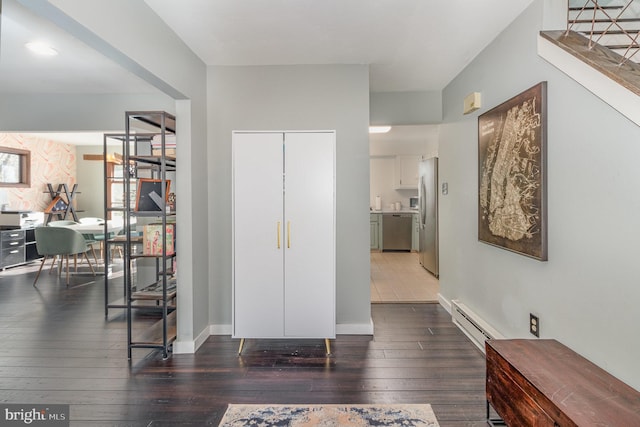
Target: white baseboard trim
224 329
445 303
355 328
190 347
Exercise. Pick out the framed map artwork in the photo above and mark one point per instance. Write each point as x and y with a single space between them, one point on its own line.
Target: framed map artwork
512 205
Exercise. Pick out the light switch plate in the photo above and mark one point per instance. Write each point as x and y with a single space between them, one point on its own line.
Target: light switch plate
445 188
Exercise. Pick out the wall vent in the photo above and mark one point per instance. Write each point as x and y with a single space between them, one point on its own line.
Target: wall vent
472 325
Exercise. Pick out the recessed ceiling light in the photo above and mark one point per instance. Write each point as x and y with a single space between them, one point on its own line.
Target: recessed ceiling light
379 129
41 48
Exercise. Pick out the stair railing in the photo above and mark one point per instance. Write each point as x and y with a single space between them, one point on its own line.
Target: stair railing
613 24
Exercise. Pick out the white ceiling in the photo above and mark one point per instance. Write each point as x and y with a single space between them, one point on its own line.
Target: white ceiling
408 44
76 69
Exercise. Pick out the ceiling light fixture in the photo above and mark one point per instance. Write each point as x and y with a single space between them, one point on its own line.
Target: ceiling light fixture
41 48
379 129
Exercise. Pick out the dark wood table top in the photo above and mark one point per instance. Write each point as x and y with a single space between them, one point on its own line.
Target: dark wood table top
584 392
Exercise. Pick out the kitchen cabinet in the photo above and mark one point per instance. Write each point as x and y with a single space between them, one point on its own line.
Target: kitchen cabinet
284 235
406 172
375 220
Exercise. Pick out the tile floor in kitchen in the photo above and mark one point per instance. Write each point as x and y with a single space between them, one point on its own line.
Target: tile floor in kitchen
399 277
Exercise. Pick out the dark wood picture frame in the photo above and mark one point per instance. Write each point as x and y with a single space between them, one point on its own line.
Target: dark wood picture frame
512 177
149 195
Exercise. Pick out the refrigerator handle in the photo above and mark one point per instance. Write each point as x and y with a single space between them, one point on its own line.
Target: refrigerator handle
422 202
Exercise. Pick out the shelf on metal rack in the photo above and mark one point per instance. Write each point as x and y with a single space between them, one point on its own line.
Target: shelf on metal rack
152 337
154 291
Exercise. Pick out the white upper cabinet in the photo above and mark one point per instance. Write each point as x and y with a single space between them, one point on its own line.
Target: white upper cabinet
406 172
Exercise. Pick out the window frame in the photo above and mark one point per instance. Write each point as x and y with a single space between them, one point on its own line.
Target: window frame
25 167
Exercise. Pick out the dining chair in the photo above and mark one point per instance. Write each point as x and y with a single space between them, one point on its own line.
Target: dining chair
120 238
98 238
90 238
60 241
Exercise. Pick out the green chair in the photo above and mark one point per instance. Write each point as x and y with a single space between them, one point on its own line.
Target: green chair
96 238
120 238
54 241
90 238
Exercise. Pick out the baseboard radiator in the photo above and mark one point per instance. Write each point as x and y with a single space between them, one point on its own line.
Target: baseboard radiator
472 325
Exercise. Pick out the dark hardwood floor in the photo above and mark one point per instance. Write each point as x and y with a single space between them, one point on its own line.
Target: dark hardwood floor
58 348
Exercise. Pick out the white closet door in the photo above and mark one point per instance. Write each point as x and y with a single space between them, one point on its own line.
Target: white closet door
257 212
309 283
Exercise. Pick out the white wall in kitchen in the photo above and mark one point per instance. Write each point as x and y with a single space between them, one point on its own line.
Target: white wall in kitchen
420 140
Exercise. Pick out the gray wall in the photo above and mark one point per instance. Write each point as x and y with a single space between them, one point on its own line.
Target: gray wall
77 112
290 98
406 108
587 294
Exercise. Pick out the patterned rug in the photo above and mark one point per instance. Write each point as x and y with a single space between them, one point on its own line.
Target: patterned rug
329 415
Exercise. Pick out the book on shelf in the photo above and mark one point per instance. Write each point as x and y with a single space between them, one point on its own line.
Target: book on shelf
152 242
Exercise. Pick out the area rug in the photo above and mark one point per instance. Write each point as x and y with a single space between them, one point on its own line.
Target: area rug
329 415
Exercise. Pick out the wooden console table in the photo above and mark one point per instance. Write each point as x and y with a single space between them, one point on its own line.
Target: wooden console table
544 383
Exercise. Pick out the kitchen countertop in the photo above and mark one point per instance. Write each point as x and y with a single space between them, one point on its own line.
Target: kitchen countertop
389 211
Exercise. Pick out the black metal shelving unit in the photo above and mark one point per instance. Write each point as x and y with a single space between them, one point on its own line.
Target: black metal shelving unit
142 163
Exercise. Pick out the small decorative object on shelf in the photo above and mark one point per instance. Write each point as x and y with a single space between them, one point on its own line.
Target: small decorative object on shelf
152 239
57 205
62 202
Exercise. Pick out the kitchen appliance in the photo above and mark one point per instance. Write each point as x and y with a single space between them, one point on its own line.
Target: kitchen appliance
413 202
428 214
396 231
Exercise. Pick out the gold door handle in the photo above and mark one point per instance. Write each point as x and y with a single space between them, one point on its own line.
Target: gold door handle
278 234
288 234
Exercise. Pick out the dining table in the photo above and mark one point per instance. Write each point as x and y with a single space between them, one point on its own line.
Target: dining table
114 226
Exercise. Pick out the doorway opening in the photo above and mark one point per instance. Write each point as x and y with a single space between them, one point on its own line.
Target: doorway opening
398 276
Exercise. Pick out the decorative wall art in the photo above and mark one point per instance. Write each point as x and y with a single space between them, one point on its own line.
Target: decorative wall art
512 210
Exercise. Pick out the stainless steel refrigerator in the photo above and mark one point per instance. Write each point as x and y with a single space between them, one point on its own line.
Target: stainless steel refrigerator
428 214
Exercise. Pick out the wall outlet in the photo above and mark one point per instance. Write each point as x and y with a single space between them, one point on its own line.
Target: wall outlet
534 325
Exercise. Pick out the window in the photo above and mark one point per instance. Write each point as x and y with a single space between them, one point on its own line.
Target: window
116 191
15 167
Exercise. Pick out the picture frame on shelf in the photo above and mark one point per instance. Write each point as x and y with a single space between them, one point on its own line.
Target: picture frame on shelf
149 195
